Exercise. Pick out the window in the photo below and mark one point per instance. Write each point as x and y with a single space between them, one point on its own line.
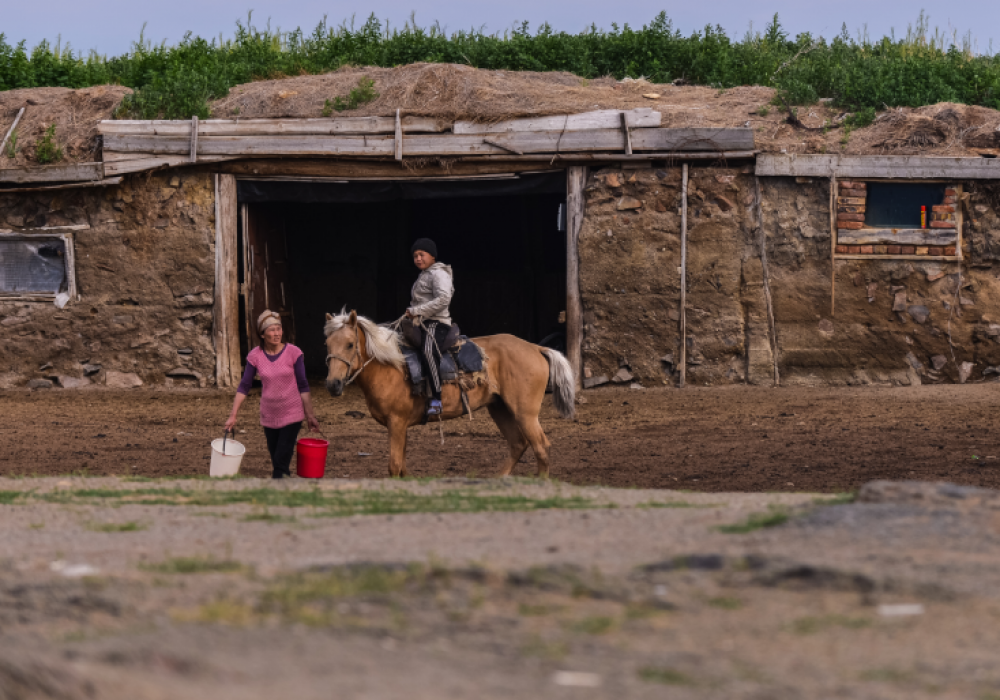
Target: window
36 266
897 205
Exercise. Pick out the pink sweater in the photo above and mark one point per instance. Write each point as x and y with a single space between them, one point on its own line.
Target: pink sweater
280 402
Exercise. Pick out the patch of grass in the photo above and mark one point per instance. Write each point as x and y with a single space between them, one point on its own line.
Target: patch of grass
363 93
12 145
310 598
886 675
812 625
664 676
592 625
46 150
763 111
837 499
540 648
8 497
36 526
266 517
776 515
130 526
193 565
674 504
725 603
528 610
223 611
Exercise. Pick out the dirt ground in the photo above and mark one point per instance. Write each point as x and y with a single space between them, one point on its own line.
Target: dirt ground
702 439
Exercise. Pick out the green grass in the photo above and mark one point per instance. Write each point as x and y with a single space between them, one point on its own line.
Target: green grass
886 675
860 73
837 499
664 676
130 526
592 625
813 625
775 516
8 497
674 504
726 603
311 598
193 565
322 503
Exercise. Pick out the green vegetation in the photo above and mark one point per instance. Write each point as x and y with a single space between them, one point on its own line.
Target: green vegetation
776 515
194 565
812 625
311 598
46 150
664 676
116 527
592 625
726 603
12 145
323 503
8 497
859 74
362 94
674 504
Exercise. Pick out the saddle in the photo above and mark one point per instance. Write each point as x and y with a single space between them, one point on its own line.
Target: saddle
459 356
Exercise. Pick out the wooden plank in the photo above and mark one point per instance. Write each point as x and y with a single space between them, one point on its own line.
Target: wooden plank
274 127
888 167
833 245
399 137
683 315
374 169
108 181
148 161
948 258
576 181
628 136
3 144
70 172
603 119
194 139
226 333
444 144
897 236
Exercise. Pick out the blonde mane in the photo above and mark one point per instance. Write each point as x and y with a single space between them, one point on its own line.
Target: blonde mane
382 343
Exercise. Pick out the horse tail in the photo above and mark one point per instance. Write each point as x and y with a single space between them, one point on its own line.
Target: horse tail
562 382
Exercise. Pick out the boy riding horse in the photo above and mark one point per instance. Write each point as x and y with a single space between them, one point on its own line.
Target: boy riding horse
429 314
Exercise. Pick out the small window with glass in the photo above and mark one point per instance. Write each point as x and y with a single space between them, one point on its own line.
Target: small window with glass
36 266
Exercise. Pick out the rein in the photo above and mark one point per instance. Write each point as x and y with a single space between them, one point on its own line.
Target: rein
357 354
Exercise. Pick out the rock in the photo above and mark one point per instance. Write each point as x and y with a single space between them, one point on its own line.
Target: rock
964 370
991 370
89 369
622 376
913 361
660 207
185 351
40 384
826 327
966 301
627 202
47 365
175 181
661 174
587 373
723 203
122 380
13 321
73 382
938 362
872 288
668 358
899 301
354 414
920 314
591 382
636 385
123 319
651 95
611 179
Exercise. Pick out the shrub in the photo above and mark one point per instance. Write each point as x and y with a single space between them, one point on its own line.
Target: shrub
46 150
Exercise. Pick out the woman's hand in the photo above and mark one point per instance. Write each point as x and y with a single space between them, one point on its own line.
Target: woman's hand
231 423
313 423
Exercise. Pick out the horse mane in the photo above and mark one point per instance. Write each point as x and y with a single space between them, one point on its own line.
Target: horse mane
382 343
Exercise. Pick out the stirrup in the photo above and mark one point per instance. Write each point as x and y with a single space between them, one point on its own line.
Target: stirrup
434 408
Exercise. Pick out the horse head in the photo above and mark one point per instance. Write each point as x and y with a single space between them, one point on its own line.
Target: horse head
344 358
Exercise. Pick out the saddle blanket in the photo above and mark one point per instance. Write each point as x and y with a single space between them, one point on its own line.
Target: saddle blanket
470 360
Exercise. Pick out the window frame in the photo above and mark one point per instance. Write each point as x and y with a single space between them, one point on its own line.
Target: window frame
70 262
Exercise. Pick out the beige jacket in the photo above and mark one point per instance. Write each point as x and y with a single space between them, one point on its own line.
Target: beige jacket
431 294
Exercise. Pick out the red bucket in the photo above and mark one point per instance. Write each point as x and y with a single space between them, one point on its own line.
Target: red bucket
310 457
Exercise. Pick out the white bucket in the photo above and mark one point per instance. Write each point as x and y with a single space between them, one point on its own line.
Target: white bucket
226 463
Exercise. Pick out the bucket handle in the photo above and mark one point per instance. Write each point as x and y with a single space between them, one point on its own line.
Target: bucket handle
224 434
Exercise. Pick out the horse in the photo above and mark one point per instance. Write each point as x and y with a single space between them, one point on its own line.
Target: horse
517 375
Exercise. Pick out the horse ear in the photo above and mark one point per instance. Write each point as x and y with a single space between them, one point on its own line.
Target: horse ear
353 320
329 317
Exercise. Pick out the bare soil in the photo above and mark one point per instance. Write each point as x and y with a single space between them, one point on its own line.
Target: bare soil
714 439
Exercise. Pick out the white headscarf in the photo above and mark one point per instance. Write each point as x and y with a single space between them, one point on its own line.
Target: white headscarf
266 320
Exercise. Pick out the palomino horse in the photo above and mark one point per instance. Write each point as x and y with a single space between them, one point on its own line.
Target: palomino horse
518 372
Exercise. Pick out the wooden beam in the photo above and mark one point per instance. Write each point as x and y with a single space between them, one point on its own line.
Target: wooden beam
628 136
602 119
71 172
894 236
226 332
833 245
888 167
147 161
494 142
3 144
683 315
576 181
274 127
194 139
443 144
928 258
399 137
375 169
108 181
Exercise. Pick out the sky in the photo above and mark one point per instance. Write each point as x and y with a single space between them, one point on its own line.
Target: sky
109 26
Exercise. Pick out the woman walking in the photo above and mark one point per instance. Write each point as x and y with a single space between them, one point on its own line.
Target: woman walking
285 398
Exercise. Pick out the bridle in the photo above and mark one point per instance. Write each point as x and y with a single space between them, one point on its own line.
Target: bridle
350 364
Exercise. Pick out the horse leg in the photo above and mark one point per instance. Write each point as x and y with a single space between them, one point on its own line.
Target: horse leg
397 447
533 433
508 427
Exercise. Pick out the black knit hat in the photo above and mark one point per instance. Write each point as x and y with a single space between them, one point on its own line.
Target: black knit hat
426 245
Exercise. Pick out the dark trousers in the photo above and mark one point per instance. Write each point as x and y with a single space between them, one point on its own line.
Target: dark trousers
430 353
281 445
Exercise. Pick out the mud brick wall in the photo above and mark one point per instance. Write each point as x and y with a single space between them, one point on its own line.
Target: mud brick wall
630 283
899 322
145 271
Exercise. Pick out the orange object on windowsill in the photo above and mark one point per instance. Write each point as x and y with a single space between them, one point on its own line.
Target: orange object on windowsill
923 217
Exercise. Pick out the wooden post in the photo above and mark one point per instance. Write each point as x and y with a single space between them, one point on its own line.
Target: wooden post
576 180
772 330
194 139
226 329
833 244
10 131
684 234
399 137
628 136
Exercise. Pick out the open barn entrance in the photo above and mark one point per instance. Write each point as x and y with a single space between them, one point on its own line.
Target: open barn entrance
313 247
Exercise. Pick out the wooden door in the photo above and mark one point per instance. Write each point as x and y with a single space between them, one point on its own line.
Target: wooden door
266 265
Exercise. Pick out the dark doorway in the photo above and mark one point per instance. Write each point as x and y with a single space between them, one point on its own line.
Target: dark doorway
507 250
